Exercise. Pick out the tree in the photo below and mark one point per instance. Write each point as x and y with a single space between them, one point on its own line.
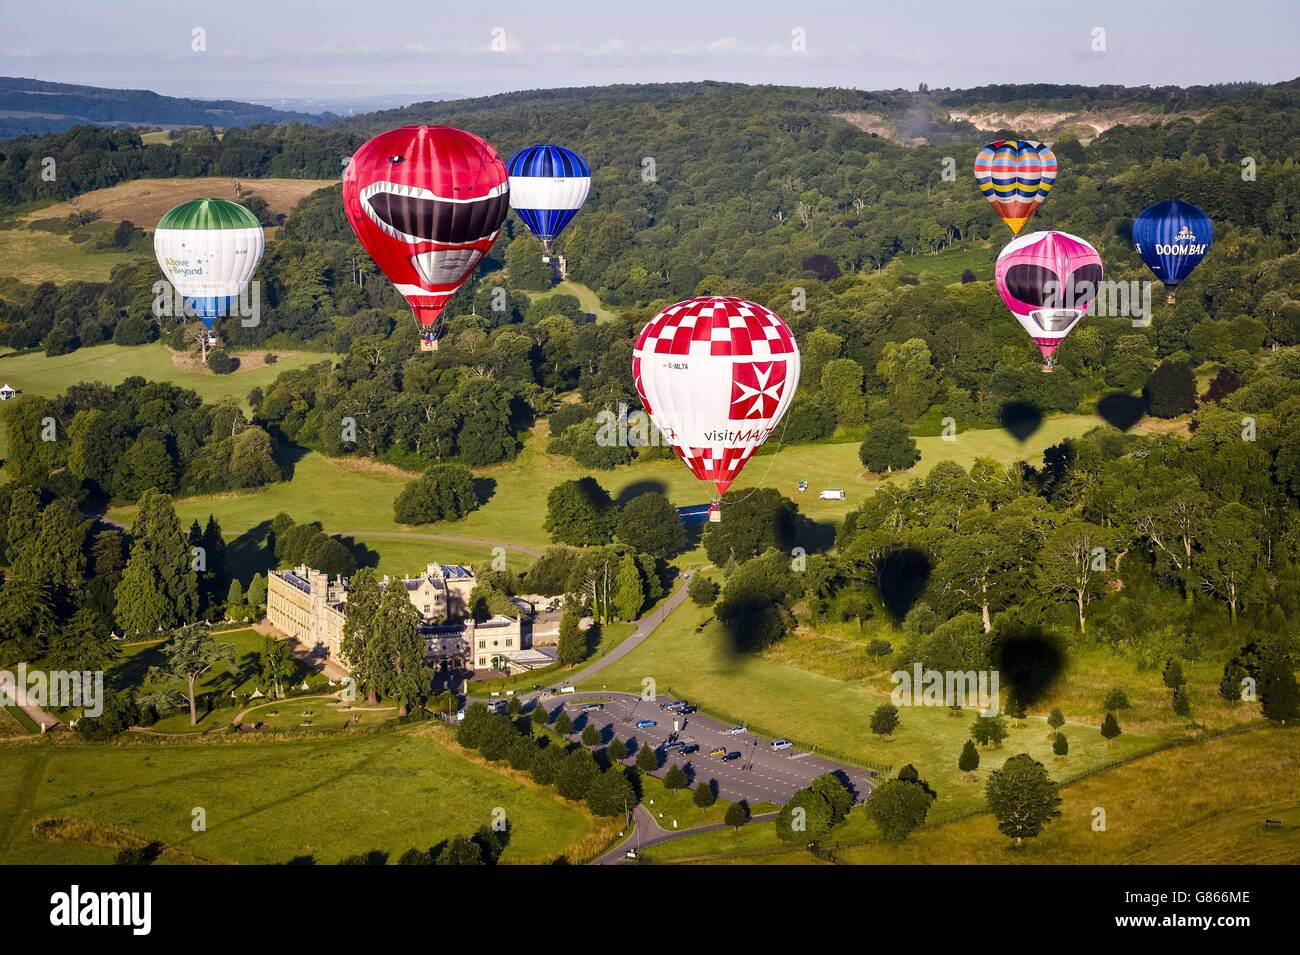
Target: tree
363 601
462 850
650 524
676 778
737 814
538 714
445 492
577 774
841 390
1116 699
704 795
590 735
703 591
1173 674
1071 563
888 447
1231 559
989 730
190 653
1110 727
898 808
1056 719
524 265
806 817
647 758
969 760
1170 391
1279 697
1060 745
1180 702
909 376
580 512
611 794
753 520
142 606
256 596
234 593
276 663
162 587
616 750
884 720
629 595
564 723
399 649
83 643
1023 797
571 647
252 459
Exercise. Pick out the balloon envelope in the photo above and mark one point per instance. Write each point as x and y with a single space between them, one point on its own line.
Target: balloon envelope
1172 237
548 185
1049 281
426 202
1015 176
716 375
209 249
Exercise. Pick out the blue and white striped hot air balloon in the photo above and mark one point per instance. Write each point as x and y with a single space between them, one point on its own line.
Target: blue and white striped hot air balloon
548 185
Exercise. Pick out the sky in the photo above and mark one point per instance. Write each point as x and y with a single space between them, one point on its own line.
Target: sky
406 51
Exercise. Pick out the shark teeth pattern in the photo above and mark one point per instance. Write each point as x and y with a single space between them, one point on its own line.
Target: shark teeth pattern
416 192
445 266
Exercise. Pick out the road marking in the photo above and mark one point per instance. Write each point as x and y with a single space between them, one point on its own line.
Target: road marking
800 756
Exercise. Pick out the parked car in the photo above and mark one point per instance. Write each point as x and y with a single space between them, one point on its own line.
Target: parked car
737 730
730 756
688 710
674 705
496 707
645 724
688 748
672 745
779 744
592 707
719 752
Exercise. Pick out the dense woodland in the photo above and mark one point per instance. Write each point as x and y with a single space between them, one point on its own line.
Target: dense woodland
787 204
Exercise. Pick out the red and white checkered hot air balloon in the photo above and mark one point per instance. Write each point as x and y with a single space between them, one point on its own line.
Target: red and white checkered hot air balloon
716 375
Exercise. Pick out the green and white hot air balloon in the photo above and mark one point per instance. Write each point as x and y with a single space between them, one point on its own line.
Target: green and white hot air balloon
209 249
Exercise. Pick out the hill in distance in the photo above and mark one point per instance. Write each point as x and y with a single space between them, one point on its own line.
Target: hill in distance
37 107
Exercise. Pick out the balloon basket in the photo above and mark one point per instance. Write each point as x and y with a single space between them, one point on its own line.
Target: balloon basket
1169 299
428 344
715 514
1047 369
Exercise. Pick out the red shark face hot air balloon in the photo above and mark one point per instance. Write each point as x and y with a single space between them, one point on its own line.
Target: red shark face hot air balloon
426 202
1049 281
716 375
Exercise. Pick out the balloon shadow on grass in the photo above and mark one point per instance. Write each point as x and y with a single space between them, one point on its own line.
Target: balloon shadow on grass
901 578
1029 661
637 488
1020 419
1120 410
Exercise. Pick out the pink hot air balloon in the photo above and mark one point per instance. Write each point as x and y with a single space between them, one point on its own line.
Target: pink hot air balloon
1048 280
715 375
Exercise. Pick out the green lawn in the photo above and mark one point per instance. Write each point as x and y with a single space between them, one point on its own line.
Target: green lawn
270 801
33 256
35 373
947 266
352 498
590 301
835 714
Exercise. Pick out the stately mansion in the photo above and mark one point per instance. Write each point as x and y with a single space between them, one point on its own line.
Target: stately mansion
307 605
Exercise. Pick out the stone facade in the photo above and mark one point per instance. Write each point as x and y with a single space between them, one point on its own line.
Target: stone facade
307 605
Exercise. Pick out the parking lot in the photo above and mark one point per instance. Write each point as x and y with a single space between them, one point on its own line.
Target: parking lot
758 775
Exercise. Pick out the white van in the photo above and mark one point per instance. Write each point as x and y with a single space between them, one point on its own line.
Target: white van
833 494
780 744
496 707
568 689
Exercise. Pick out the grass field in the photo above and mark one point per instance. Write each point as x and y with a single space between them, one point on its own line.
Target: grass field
33 256
590 301
272 801
36 373
355 498
947 266
835 714
145 201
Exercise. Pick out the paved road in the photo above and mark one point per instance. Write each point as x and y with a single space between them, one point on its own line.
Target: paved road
650 833
759 775
644 628
46 721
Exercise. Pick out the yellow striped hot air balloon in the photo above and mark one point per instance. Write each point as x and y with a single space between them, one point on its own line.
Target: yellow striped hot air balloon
1015 176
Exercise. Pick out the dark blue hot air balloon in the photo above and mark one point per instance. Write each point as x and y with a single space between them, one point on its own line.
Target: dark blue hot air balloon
1172 237
548 185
